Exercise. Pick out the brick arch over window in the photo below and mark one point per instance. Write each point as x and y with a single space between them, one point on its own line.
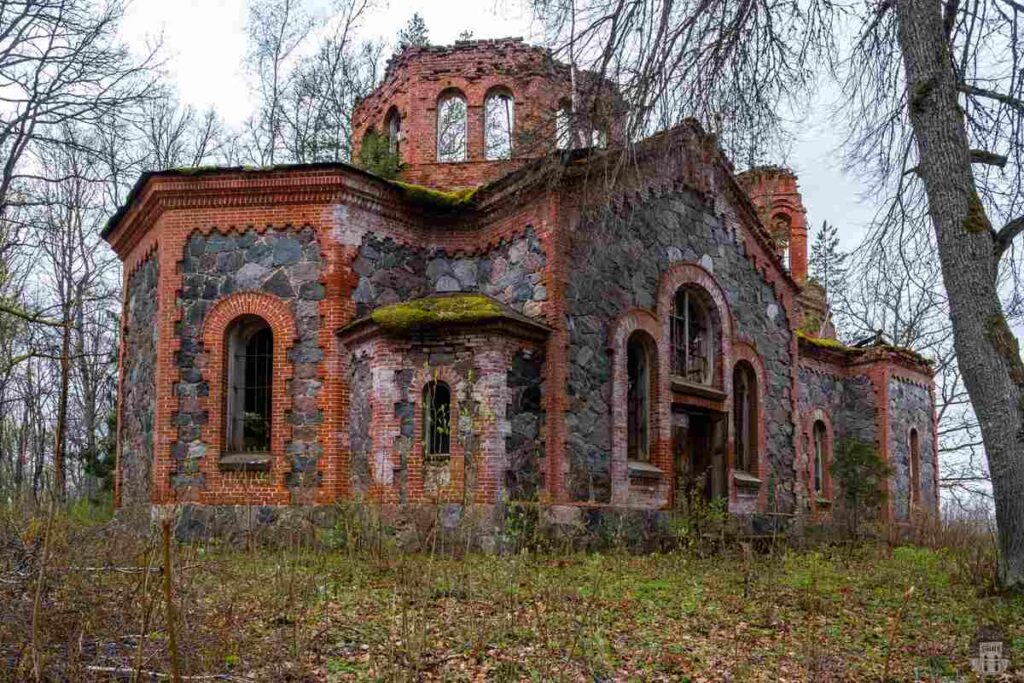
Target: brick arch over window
743 352
813 418
278 316
697 278
629 323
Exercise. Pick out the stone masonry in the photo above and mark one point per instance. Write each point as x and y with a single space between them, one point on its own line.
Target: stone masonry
549 313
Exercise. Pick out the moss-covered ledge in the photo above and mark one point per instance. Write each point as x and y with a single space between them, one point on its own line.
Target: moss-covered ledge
441 312
446 201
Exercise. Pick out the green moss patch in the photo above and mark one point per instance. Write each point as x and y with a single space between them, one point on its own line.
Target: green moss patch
437 310
440 200
824 343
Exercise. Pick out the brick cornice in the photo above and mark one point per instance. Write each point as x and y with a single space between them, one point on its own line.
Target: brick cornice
230 188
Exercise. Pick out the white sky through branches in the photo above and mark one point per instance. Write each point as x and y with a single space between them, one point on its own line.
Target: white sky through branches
205 42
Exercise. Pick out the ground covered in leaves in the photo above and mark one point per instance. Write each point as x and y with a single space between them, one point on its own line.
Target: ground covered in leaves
293 613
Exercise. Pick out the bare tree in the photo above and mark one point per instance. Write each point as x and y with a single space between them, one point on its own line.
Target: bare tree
174 136
325 85
276 29
937 86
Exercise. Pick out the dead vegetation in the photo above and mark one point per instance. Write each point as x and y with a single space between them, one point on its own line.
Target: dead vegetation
83 598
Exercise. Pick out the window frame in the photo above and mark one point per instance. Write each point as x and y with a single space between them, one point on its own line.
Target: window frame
745 406
680 325
241 334
505 95
640 405
393 129
436 444
819 446
449 96
914 464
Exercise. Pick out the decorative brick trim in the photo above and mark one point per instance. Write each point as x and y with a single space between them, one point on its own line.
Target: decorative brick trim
807 435
745 351
660 434
278 315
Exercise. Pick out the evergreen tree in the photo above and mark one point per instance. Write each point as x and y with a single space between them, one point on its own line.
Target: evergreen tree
414 34
828 262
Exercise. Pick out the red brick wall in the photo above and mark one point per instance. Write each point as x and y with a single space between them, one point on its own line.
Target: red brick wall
775 194
416 78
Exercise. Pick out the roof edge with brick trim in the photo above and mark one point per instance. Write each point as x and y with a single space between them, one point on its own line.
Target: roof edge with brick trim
197 171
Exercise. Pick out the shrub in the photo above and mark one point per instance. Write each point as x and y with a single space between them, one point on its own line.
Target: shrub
376 156
859 470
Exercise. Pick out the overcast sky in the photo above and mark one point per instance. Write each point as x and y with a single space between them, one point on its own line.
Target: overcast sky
204 45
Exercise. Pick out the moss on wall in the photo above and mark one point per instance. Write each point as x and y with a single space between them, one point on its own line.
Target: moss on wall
440 200
439 309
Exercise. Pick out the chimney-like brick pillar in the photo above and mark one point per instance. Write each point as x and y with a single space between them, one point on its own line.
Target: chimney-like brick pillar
775 193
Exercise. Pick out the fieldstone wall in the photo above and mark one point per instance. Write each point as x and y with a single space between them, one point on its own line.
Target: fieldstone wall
524 445
138 383
390 272
617 263
388 378
848 402
910 406
286 263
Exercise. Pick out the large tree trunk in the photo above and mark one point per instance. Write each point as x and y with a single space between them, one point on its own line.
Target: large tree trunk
986 349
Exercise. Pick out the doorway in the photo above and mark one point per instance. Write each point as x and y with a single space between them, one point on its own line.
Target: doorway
698 447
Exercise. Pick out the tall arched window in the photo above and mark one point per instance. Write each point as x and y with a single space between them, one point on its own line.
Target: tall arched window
437 409
393 125
451 127
819 436
639 352
744 384
563 125
250 376
499 122
915 468
780 230
693 338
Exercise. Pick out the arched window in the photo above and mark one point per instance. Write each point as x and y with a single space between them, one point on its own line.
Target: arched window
744 384
693 338
915 468
499 122
819 436
250 351
563 125
437 408
780 230
638 396
451 127
393 126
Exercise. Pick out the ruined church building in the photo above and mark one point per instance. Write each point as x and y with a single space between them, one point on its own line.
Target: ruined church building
499 323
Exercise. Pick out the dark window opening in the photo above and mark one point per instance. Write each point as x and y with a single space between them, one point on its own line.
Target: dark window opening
638 399
744 385
393 126
250 381
819 436
915 468
693 339
437 403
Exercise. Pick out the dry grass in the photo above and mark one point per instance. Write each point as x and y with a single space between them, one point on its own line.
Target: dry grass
363 611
